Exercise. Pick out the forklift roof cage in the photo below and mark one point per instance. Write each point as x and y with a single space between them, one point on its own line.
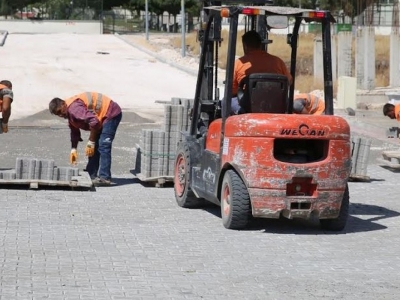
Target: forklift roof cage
207 82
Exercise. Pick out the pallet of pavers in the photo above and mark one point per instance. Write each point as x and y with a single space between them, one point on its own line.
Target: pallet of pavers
155 155
359 159
390 159
35 172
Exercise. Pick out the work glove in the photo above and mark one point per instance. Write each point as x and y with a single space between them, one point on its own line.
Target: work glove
73 157
89 150
4 127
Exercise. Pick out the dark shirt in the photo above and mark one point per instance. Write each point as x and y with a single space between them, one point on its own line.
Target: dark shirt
6 92
79 117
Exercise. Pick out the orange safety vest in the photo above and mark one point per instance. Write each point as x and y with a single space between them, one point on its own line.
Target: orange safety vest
314 105
95 102
397 112
2 86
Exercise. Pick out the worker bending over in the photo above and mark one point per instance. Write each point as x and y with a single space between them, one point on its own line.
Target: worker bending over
101 116
307 103
392 111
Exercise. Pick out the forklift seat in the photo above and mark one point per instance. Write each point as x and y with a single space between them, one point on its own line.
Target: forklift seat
263 93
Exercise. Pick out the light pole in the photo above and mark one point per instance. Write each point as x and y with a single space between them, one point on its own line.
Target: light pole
71 9
147 19
183 28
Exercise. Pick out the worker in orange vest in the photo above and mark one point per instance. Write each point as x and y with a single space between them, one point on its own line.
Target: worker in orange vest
101 116
307 103
392 111
6 98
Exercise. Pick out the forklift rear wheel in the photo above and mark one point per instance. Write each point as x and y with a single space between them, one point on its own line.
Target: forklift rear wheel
235 202
183 195
338 223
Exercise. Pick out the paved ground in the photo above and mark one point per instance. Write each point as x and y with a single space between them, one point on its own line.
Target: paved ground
132 241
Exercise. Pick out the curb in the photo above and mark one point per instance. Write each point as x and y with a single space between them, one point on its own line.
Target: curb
162 59
158 57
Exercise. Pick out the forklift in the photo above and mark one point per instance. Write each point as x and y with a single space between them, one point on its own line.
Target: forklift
265 162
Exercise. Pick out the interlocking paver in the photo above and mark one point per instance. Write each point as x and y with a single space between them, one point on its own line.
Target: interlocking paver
132 241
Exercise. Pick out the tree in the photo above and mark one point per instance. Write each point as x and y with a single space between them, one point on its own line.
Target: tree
137 5
10 7
5 9
193 8
107 5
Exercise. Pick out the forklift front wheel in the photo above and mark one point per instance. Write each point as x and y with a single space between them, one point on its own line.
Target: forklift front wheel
235 202
183 194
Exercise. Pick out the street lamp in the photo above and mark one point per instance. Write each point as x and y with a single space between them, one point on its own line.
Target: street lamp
183 28
147 19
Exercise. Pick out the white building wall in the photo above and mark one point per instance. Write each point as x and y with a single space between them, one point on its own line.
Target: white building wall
52 26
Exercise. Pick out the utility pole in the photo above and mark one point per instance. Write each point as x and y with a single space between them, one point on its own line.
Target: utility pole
147 19
183 28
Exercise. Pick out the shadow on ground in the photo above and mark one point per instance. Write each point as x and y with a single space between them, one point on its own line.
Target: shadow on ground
393 170
299 226
45 119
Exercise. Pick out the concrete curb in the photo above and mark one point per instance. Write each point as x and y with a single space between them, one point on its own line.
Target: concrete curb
163 60
158 57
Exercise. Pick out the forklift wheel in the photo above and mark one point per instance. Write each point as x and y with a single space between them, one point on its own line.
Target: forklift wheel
183 195
235 202
338 223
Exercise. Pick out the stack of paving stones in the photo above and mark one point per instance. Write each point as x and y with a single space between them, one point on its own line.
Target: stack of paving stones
360 155
38 169
158 147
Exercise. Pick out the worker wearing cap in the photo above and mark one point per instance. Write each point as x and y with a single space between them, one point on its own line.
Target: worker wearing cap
307 103
254 60
101 116
392 111
6 98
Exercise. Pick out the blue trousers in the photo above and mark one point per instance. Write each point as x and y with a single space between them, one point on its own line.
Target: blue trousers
99 165
234 105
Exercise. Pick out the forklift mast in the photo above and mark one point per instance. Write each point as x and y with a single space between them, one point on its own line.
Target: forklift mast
209 77
207 92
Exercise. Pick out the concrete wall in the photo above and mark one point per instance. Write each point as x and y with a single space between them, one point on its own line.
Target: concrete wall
52 26
304 28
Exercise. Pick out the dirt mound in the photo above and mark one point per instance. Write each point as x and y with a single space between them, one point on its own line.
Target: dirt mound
45 119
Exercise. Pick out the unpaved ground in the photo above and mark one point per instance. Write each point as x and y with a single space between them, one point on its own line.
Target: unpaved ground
43 66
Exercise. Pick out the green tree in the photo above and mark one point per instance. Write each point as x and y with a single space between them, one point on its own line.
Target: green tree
137 5
5 8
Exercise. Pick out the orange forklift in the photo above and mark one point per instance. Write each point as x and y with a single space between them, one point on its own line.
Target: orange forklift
265 162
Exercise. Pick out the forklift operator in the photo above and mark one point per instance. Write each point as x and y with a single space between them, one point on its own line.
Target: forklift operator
254 60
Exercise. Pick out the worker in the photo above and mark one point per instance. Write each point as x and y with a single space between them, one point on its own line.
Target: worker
307 103
6 98
255 60
101 116
392 111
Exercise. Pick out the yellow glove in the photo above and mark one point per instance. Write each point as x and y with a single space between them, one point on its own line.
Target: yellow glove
89 150
4 127
73 157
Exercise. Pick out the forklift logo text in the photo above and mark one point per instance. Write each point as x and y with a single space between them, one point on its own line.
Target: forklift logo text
303 130
208 175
